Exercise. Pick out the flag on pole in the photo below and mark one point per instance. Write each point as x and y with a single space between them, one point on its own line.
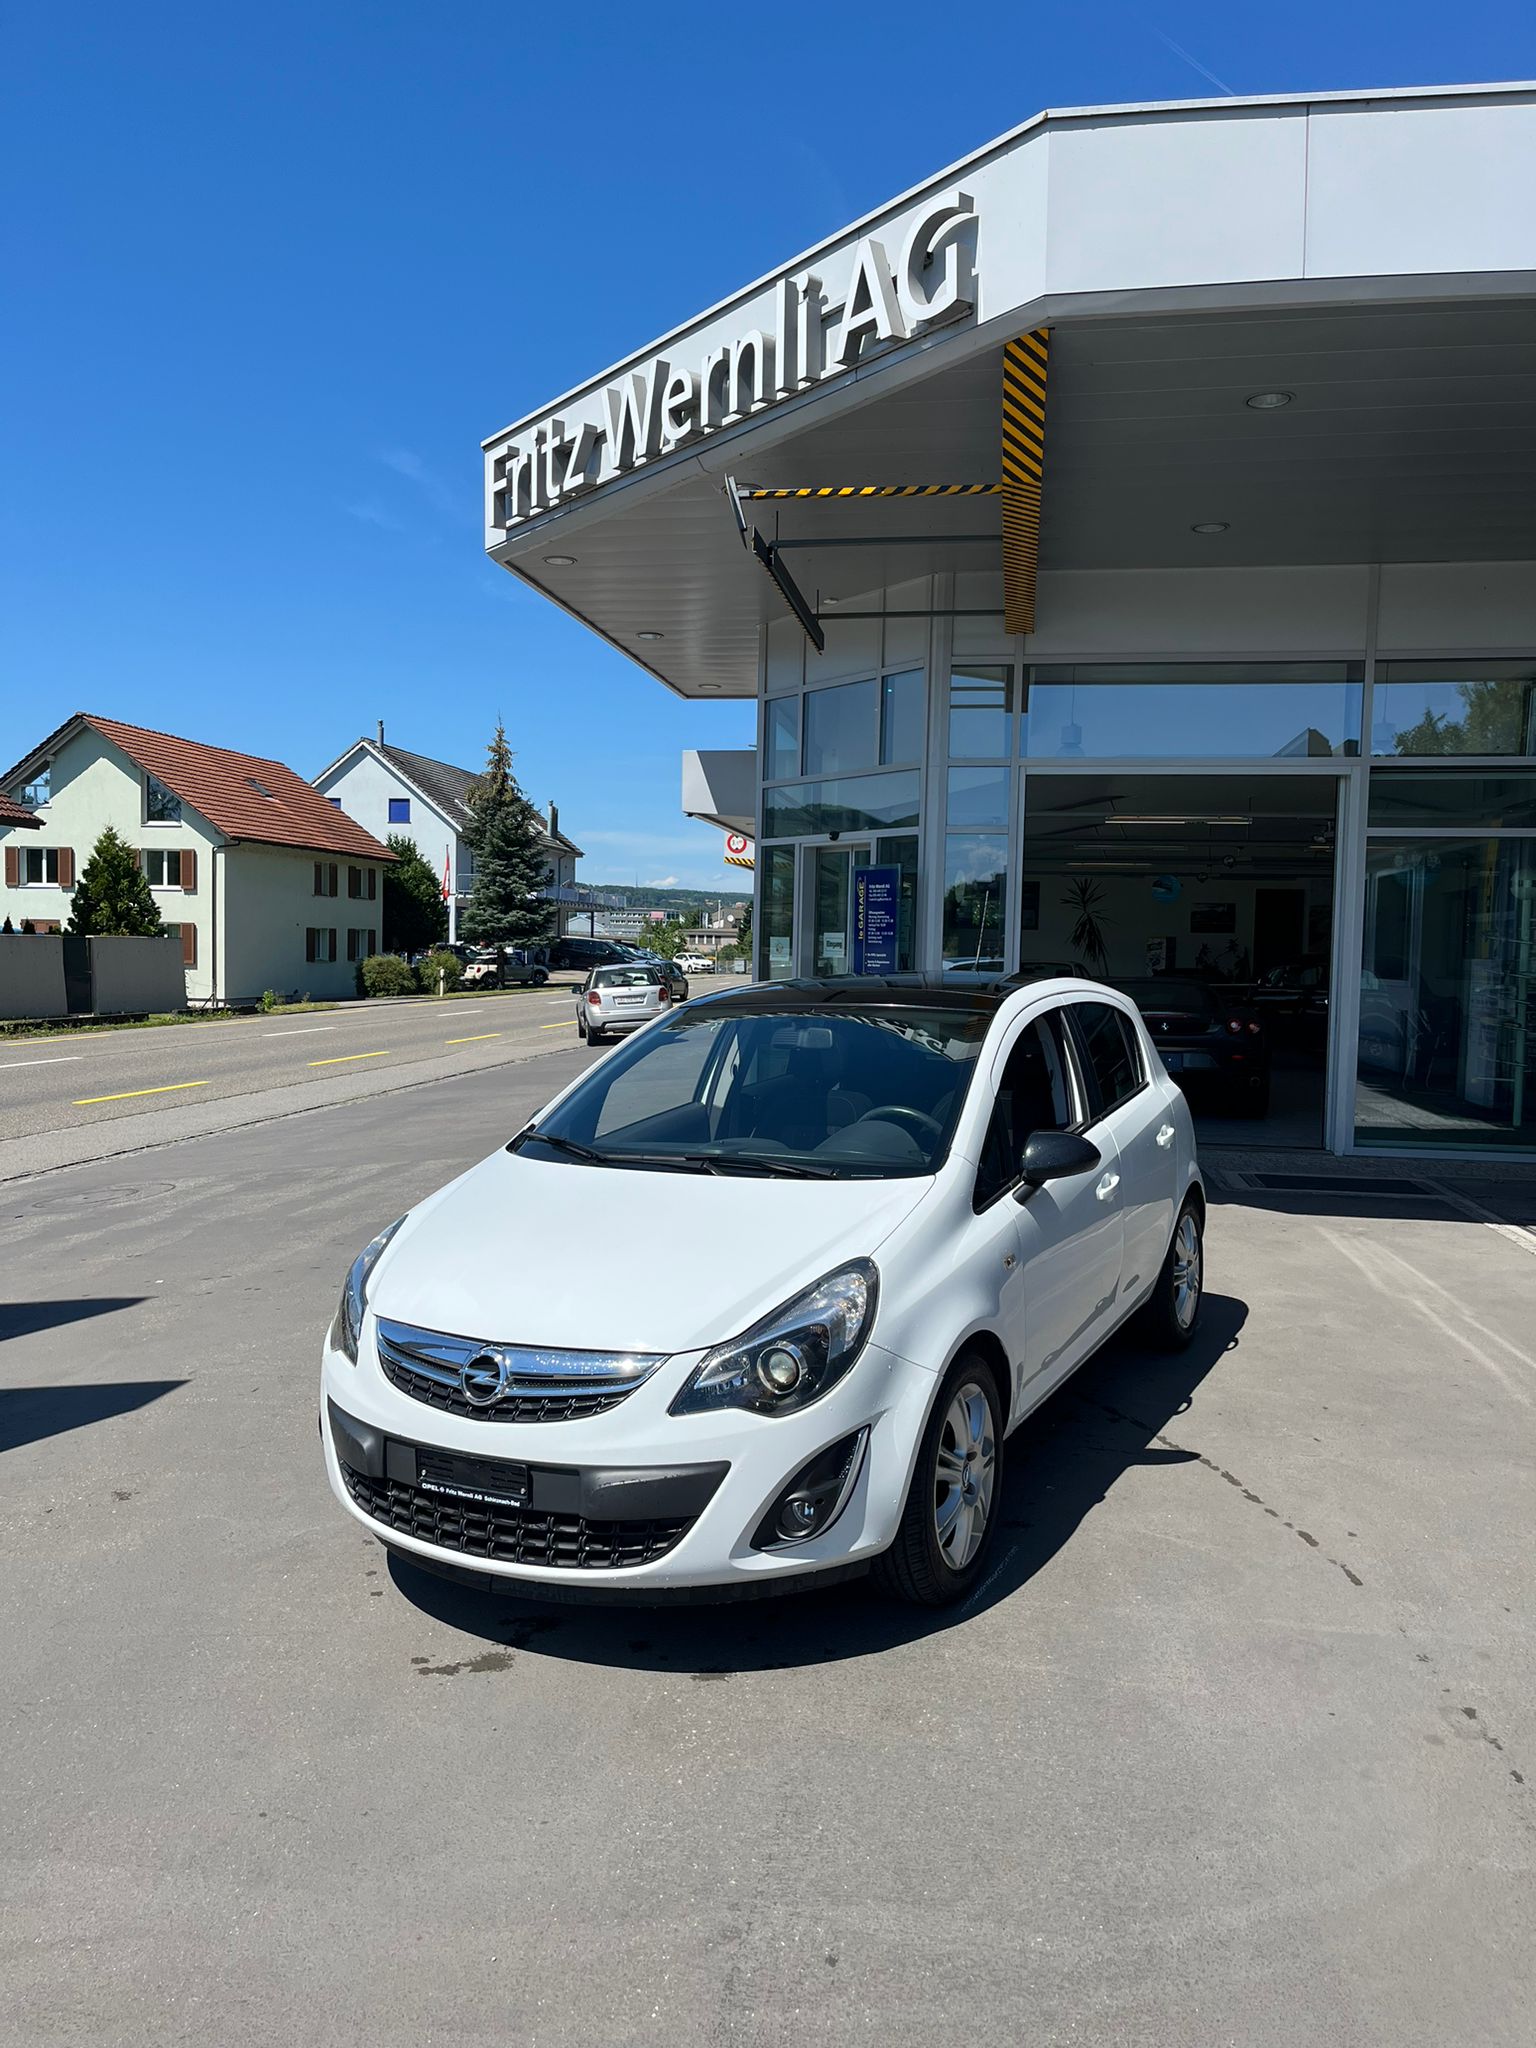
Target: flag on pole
447 857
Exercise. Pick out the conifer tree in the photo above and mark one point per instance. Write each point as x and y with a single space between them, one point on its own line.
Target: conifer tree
511 861
112 897
415 915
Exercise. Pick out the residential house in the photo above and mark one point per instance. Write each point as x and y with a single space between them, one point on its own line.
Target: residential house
391 790
265 883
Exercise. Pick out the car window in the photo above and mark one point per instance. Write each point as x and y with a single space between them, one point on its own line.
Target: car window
1034 1094
662 1096
625 977
1112 1056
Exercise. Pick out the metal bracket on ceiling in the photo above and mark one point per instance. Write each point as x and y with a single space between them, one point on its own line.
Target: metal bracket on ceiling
767 553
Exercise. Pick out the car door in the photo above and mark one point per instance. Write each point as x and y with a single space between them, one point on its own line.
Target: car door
1130 1107
1065 1235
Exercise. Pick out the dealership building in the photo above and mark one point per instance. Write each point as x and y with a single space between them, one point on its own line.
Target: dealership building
1129 540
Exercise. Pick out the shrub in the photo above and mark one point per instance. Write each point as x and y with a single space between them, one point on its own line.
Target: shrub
270 999
428 966
386 974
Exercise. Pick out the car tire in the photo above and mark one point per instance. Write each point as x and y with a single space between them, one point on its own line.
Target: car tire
924 1567
1172 1313
581 1025
540 976
596 1037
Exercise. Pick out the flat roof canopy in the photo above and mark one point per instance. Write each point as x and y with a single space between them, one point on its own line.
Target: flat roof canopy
1409 431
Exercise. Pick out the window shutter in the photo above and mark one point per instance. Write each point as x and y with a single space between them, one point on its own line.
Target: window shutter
189 878
12 867
188 944
373 884
317 878
66 867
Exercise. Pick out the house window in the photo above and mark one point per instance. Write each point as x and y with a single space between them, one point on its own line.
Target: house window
161 806
325 879
320 944
40 864
38 790
399 810
334 802
163 867
361 945
363 882
187 933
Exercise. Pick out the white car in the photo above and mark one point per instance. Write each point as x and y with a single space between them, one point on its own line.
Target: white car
897 1215
696 963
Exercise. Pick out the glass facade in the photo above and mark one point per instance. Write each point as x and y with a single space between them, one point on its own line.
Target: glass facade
1402 786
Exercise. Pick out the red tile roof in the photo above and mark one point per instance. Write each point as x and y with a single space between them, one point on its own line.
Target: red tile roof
17 814
242 795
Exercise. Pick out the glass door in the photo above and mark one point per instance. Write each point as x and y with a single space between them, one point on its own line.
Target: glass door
828 897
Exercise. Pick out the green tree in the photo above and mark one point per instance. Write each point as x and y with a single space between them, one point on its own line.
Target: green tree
744 934
511 861
415 915
112 897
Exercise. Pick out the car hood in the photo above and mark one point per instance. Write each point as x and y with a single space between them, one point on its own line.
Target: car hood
530 1251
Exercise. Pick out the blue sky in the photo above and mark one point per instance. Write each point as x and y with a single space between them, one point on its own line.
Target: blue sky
273 272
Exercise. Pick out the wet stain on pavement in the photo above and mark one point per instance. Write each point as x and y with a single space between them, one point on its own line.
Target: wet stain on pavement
488 1660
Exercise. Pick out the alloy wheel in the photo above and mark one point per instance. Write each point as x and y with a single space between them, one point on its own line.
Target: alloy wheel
964 1476
1186 1271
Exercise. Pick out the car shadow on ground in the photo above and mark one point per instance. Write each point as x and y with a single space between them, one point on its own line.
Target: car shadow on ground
1061 1463
30 1414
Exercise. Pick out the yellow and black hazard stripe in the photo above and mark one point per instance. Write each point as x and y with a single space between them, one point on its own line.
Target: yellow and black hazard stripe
1025 363
740 860
880 491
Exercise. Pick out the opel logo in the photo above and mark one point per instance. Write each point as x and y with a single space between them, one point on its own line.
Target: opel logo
483 1379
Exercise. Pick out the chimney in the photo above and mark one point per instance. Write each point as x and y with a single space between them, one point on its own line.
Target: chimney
381 732
554 821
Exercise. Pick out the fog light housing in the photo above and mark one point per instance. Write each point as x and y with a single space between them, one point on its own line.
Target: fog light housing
815 1497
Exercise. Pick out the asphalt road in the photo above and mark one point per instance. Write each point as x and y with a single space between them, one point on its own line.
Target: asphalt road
1237 1743
64 1081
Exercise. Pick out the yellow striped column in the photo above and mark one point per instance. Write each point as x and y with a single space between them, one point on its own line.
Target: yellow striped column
1025 362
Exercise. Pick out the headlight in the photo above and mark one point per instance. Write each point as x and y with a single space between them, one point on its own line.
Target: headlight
795 1355
348 1326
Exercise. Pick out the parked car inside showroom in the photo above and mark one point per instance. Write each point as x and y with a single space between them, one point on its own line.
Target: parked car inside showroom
1214 1045
911 1210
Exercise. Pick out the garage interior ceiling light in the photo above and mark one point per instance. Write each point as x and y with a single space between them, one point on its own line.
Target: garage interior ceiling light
561 561
650 636
1268 401
1122 818
1210 526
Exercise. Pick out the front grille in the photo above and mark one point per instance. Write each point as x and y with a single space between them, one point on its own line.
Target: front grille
549 1388
512 1535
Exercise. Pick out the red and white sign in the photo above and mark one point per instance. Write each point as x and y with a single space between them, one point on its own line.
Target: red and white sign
736 842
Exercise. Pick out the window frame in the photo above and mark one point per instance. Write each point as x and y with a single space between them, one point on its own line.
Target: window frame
1098 1110
314 956
164 855
166 810
1066 1043
397 809
44 854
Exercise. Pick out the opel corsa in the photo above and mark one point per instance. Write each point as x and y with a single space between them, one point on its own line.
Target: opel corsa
759 1299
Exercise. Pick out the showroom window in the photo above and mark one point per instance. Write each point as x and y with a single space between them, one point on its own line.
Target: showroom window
1193 711
1444 708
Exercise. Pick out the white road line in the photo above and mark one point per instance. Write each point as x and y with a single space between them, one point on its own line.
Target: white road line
1460 1307
1396 1293
1468 1207
59 1060
299 1031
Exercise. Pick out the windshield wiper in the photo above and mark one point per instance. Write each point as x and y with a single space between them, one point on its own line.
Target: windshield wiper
757 1162
570 1145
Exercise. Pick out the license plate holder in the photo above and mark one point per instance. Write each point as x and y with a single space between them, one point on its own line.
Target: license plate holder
472 1479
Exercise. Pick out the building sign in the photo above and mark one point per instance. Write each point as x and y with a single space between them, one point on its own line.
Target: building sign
887 291
876 913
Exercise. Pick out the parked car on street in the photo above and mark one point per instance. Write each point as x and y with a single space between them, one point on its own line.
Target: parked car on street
620 998
514 969
1214 1047
586 954
671 972
696 963
910 1211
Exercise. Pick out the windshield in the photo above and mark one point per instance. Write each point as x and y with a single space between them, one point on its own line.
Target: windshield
836 1094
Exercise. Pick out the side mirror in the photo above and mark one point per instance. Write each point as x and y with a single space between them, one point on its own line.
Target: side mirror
1055 1155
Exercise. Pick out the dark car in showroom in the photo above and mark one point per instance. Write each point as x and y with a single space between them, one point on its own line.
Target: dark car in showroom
1215 1048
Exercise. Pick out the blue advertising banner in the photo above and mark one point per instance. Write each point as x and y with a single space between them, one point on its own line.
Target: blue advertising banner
876 914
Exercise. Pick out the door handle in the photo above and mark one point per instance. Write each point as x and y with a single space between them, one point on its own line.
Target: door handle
1107 1186
1165 1136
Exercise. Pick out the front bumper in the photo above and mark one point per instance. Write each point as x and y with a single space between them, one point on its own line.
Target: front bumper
633 1501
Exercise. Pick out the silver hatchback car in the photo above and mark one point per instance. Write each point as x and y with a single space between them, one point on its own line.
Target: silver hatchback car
621 998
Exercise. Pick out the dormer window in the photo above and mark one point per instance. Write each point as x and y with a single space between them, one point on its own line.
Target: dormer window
36 792
161 806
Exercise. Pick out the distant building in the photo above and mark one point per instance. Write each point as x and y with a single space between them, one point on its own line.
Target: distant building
265 884
714 933
427 801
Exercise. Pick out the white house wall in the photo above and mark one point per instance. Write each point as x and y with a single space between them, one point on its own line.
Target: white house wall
365 787
94 785
268 905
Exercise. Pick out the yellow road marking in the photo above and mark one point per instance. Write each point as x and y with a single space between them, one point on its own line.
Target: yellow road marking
170 1088
474 1039
565 1024
340 1058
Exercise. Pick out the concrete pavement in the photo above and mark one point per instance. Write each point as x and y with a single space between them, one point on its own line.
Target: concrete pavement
1236 1745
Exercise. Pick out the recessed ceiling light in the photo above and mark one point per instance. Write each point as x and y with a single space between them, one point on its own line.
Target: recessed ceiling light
709 686
650 636
1268 401
1210 526
561 561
